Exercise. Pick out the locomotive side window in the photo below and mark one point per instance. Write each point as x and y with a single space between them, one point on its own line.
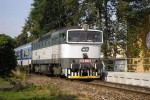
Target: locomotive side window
62 38
49 42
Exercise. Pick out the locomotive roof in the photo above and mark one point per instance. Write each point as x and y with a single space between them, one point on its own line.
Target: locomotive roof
55 32
61 30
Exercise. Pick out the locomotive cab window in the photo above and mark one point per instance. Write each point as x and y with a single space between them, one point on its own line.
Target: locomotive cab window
84 36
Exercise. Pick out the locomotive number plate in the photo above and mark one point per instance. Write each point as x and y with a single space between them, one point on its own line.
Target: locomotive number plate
84 60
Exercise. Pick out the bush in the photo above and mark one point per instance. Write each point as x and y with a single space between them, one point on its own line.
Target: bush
7 55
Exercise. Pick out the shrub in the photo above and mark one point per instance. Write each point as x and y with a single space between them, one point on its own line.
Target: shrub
19 74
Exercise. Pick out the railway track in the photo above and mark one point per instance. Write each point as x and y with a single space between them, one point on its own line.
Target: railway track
122 87
117 86
96 89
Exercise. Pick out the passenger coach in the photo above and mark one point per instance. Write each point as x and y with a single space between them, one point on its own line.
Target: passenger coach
24 55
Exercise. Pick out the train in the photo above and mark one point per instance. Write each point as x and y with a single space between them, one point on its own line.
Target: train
71 52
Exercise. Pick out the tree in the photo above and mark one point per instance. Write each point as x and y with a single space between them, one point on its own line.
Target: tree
87 11
21 40
47 15
131 15
115 18
105 11
138 11
7 55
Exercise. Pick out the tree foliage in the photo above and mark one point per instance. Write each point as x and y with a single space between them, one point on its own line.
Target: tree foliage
132 15
47 15
116 18
21 40
7 55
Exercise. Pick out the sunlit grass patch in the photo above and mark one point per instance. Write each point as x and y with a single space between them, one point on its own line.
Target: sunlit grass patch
19 74
21 95
32 92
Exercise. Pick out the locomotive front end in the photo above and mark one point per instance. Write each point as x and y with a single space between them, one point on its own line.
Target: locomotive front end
85 69
82 51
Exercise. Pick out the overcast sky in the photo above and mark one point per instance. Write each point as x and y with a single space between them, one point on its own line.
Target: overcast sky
12 16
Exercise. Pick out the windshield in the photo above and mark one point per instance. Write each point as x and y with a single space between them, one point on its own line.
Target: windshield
84 36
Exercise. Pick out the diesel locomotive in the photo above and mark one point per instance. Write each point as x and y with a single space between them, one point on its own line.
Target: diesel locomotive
71 52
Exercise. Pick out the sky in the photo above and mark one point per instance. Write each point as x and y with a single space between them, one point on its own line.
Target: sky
12 16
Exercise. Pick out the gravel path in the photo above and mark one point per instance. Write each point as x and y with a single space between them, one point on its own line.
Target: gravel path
87 91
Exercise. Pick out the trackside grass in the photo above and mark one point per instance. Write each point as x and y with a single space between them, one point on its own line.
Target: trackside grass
17 88
32 92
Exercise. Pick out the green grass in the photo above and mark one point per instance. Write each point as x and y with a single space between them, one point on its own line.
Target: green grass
32 95
2 80
13 95
32 92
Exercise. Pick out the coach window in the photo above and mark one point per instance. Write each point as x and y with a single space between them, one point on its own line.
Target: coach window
20 54
27 52
24 53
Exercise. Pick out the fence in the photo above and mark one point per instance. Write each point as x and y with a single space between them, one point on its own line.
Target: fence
127 64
